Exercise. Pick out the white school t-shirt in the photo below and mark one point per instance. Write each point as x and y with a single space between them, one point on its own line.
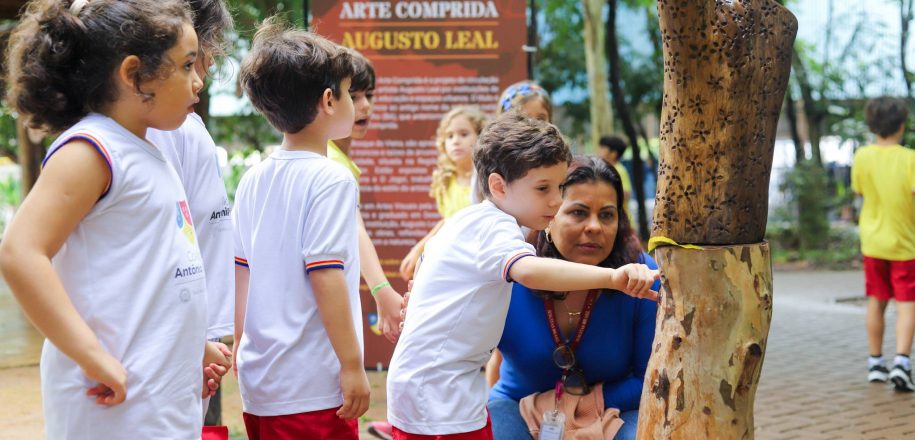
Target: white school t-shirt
455 319
294 213
133 271
191 150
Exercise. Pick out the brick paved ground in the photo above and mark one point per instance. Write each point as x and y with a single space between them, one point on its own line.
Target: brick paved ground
813 382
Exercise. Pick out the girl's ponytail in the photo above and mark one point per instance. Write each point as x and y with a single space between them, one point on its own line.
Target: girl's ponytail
63 53
44 68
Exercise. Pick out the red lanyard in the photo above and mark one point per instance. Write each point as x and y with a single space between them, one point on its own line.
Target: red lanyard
582 323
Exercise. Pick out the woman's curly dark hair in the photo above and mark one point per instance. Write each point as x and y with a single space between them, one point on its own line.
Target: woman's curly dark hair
61 62
626 246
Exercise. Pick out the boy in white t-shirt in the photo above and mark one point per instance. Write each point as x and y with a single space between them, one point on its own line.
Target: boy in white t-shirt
461 290
299 357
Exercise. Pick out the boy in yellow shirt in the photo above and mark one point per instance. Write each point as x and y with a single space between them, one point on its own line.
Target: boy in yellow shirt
387 300
884 175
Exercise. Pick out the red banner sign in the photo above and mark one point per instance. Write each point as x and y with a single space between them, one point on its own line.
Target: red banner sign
429 56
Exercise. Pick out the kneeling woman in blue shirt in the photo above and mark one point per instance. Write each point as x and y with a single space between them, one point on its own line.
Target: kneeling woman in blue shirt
613 347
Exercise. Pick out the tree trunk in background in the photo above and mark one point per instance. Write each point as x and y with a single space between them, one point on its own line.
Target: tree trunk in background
813 111
31 153
905 16
203 107
726 71
791 115
622 112
596 63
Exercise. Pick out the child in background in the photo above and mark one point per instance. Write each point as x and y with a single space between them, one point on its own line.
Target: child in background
611 149
884 175
298 315
387 300
102 255
457 133
461 291
528 98
191 150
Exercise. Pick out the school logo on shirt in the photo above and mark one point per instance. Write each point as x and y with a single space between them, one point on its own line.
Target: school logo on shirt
185 224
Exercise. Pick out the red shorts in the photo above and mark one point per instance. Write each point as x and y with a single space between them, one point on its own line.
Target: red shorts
884 279
317 425
485 433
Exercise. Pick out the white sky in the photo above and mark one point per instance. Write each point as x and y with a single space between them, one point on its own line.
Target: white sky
877 59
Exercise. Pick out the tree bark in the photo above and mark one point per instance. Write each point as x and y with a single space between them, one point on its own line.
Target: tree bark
31 153
791 114
814 112
596 64
726 67
622 112
726 70
709 343
203 107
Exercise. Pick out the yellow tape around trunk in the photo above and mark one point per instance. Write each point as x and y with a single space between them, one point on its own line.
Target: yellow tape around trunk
654 242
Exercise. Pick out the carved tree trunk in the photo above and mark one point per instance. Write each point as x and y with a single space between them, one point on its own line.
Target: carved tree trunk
726 71
596 64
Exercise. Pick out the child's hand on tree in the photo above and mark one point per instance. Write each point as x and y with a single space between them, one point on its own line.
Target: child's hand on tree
635 280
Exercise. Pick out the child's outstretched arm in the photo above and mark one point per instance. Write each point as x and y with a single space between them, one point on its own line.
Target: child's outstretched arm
70 185
562 276
329 287
387 300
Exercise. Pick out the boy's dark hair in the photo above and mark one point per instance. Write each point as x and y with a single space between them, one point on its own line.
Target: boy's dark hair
363 73
613 143
589 169
288 70
884 115
211 22
515 144
61 64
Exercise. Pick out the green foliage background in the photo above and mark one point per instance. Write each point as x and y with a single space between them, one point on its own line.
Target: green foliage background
836 77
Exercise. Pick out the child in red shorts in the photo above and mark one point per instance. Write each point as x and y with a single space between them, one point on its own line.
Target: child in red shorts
884 175
299 356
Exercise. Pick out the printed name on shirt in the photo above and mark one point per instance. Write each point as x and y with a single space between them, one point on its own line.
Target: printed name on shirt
223 214
182 272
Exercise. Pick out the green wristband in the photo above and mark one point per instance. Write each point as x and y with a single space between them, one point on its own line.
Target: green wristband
380 286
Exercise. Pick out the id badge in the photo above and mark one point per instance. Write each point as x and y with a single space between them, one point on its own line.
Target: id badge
553 426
